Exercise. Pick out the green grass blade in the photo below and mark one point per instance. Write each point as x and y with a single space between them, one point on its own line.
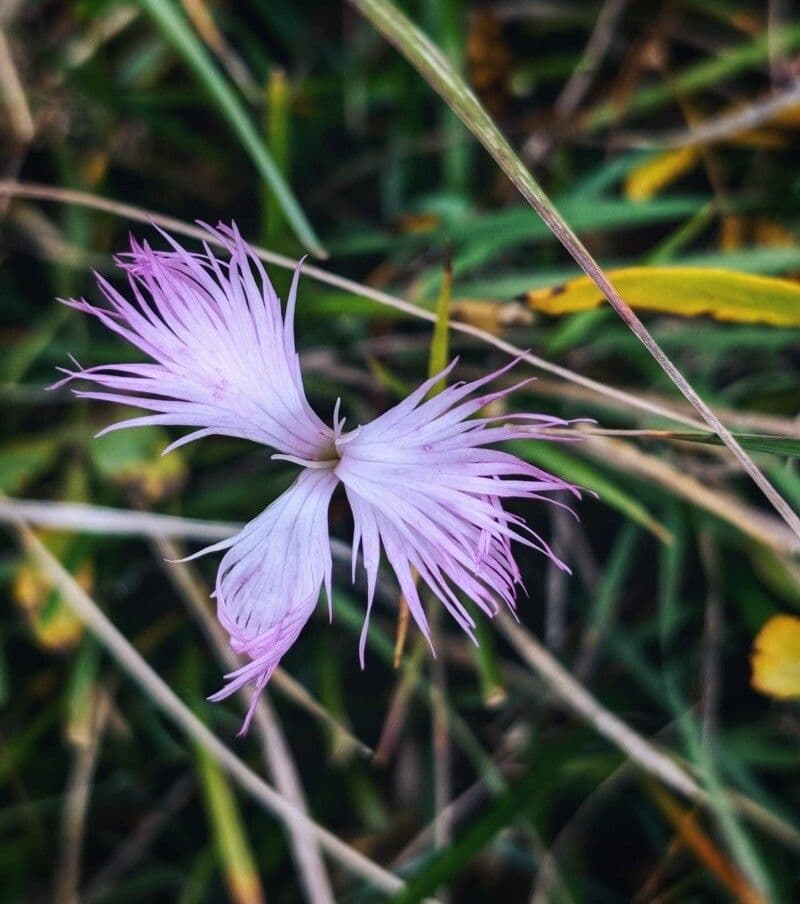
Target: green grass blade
670 602
554 458
236 858
277 124
440 341
754 442
449 860
432 65
180 34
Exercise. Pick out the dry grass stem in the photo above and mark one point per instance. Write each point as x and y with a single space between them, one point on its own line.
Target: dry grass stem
165 699
276 752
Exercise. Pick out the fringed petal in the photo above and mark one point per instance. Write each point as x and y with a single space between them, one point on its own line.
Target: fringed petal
223 355
424 488
269 580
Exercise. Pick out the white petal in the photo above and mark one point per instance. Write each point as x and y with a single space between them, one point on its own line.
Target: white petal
223 355
423 486
269 580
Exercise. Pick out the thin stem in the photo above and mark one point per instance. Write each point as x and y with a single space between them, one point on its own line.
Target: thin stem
97 519
172 224
719 128
568 690
140 838
440 738
639 751
429 61
551 673
574 91
555 619
12 95
276 751
713 634
168 701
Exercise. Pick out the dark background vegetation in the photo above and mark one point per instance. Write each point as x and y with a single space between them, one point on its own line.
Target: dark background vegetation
660 632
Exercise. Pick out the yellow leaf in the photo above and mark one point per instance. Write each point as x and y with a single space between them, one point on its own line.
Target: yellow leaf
52 623
660 170
648 178
685 291
416 223
737 230
776 658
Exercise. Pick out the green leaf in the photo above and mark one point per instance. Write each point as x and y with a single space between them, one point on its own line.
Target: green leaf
553 457
180 34
450 859
754 442
440 341
133 459
230 837
277 124
21 462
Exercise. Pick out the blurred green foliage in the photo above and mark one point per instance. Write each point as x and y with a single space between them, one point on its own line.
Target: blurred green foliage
303 115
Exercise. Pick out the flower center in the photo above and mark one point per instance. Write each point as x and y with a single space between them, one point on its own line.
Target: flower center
330 451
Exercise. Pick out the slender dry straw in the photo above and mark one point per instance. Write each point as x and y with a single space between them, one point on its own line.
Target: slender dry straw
560 683
437 70
167 700
181 227
571 96
15 114
98 519
640 752
313 875
76 803
719 128
713 638
205 24
580 701
752 522
12 96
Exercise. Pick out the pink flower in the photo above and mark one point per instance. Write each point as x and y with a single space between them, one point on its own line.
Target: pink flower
421 479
